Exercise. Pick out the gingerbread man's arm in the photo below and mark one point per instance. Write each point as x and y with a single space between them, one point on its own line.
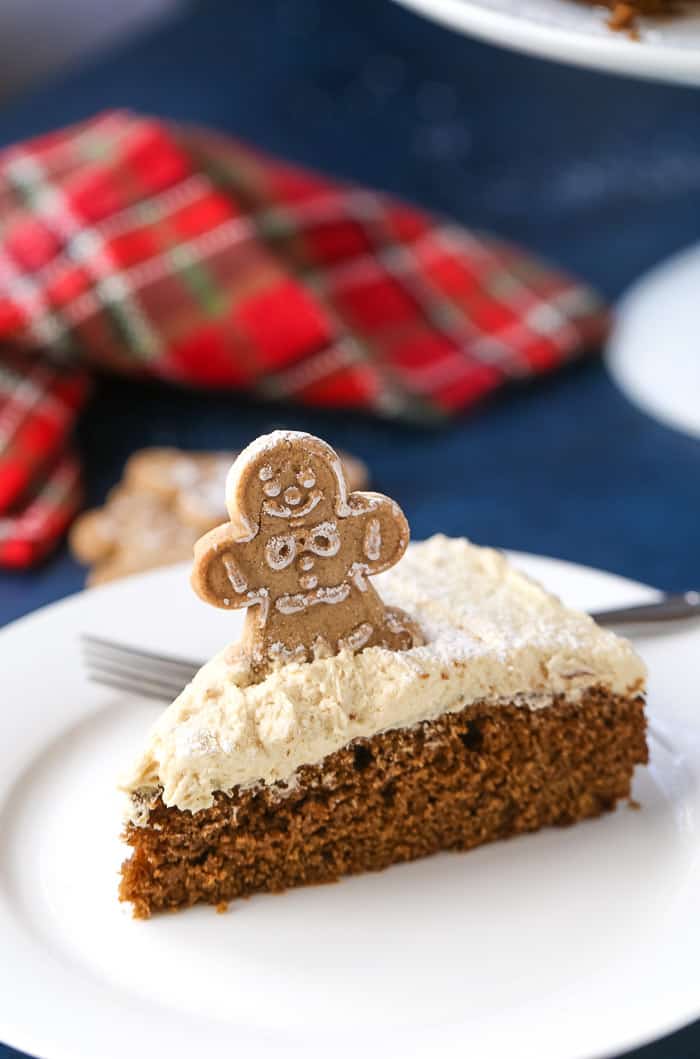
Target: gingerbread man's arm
385 532
218 576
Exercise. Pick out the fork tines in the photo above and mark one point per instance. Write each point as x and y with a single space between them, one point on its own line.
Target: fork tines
135 670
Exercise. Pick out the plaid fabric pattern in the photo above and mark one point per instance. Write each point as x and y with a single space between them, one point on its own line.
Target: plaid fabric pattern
39 478
130 246
47 511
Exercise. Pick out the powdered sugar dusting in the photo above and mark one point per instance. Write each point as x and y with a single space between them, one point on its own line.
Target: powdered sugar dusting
471 601
185 473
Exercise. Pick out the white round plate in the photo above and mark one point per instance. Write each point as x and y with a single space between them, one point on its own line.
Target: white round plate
574 31
562 945
653 350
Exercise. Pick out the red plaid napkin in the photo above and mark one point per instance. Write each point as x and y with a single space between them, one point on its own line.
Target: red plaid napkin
131 246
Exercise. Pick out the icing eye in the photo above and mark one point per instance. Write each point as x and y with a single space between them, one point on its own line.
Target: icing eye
265 473
306 478
292 495
272 488
280 552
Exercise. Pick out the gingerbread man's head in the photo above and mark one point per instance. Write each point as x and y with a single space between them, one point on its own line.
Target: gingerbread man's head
298 551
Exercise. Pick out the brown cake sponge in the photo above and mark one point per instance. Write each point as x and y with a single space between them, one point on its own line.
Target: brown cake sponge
487 772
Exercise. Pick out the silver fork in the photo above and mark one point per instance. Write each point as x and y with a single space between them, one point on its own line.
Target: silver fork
131 669
159 676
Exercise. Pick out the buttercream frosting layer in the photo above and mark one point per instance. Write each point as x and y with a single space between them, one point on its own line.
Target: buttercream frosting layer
491 634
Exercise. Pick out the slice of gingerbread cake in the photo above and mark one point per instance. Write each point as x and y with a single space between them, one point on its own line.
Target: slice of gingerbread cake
353 727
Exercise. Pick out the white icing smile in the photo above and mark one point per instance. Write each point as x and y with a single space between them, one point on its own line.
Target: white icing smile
284 511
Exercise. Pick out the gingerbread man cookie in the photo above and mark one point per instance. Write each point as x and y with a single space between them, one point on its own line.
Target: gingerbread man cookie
134 531
298 552
191 483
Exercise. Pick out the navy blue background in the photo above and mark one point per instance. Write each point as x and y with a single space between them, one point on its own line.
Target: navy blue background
598 173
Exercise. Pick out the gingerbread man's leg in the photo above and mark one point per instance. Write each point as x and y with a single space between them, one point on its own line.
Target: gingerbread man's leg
401 632
380 626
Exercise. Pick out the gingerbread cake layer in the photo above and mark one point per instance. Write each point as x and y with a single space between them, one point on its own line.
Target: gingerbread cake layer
465 778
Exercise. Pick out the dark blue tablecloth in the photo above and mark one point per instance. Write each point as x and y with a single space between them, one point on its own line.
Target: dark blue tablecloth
600 174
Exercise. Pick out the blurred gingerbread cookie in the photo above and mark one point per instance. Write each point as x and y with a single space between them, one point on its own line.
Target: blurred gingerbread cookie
191 483
166 499
298 551
134 531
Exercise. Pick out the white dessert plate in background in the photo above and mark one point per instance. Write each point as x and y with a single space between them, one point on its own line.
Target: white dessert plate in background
574 31
567 944
652 353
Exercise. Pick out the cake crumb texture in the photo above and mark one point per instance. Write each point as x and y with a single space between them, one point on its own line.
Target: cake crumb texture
452 783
